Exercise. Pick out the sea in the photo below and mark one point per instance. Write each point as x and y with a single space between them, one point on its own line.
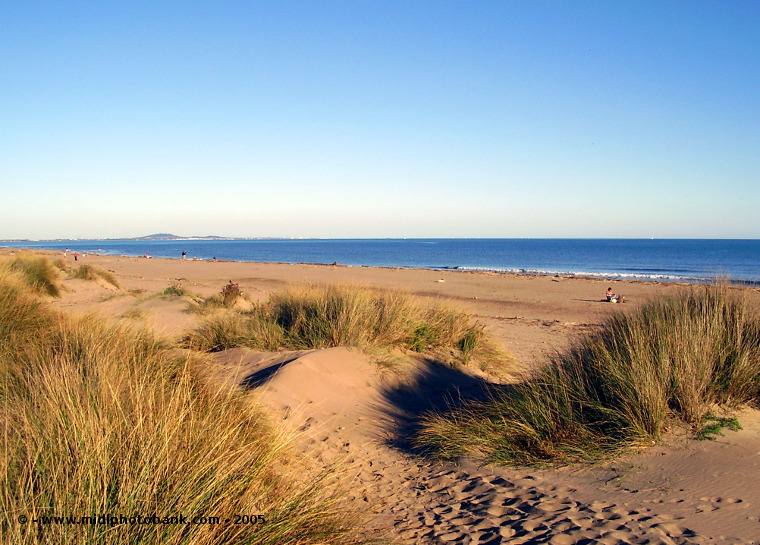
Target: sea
678 260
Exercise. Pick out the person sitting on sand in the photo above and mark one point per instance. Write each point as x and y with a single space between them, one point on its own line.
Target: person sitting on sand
611 297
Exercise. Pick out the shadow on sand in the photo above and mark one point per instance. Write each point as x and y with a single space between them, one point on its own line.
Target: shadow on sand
435 387
432 386
262 376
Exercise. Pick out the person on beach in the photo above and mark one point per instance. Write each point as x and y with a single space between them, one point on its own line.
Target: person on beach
76 256
184 254
614 297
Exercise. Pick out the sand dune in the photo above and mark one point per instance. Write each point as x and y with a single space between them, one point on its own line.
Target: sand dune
340 407
345 409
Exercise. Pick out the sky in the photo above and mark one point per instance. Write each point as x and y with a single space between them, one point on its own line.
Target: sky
345 119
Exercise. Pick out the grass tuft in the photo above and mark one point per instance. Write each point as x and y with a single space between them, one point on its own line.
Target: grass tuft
91 273
327 316
38 272
230 294
674 357
228 298
175 289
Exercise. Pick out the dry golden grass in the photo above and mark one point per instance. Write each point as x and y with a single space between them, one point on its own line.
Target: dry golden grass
38 272
89 272
335 315
100 421
675 357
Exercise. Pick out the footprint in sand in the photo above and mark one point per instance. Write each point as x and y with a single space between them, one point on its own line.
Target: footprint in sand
718 499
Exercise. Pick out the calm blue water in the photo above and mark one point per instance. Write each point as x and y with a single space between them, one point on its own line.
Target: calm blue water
679 260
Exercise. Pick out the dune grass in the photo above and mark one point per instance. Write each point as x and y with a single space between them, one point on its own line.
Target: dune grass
673 358
23 318
92 273
39 273
100 421
335 315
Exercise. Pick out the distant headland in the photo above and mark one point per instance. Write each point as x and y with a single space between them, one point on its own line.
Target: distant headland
156 236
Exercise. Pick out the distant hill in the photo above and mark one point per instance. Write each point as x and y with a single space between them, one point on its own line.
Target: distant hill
155 236
169 236
158 236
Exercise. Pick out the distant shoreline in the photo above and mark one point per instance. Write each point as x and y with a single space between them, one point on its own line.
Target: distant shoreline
607 277
178 238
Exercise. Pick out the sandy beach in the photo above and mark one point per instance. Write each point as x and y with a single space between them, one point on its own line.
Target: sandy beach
341 407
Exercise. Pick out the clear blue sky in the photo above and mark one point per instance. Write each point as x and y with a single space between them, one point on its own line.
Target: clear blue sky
380 118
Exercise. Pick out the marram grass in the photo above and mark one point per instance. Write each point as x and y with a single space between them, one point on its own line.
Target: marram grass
92 273
338 315
100 421
675 357
38 272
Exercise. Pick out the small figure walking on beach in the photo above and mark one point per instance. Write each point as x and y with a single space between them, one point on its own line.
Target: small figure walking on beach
76 256
184 254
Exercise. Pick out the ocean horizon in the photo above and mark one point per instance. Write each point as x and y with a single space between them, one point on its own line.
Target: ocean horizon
681 260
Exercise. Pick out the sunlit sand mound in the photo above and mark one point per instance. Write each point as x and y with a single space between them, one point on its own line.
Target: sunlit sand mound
341 391
343 408
332 397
